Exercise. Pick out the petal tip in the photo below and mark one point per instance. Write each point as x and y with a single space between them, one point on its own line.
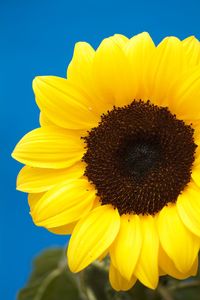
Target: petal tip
14 154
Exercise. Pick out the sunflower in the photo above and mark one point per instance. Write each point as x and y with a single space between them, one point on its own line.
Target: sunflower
116 161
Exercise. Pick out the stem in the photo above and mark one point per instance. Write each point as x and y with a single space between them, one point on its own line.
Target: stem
164 292
183 285
89 295
53 275
100 265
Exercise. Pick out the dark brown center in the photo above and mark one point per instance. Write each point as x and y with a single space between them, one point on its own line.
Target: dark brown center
139 157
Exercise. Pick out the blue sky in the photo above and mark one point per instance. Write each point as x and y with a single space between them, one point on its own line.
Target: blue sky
37 38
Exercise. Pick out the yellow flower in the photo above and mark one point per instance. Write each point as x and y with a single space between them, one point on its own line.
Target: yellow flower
116 160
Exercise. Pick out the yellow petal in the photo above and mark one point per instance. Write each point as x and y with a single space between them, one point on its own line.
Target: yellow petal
119 283
166 65
92 236
49 147
167 265
120 39
80 67
125 250
65 203
196 163
63 103
97 202
103 255
112 73
65 229
33 199
177 241
185 95
44 121
80 73
188 206
147 266
139 51
196 175
192 47
36 180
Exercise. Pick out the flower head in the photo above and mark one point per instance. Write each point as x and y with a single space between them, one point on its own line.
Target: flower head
116 160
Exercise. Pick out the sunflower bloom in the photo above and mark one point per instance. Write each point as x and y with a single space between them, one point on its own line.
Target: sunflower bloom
116 160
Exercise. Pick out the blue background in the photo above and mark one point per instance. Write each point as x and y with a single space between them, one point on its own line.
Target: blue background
37 38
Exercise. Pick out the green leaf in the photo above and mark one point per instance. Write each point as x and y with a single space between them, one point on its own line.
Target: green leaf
50 279
95 280
186 289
